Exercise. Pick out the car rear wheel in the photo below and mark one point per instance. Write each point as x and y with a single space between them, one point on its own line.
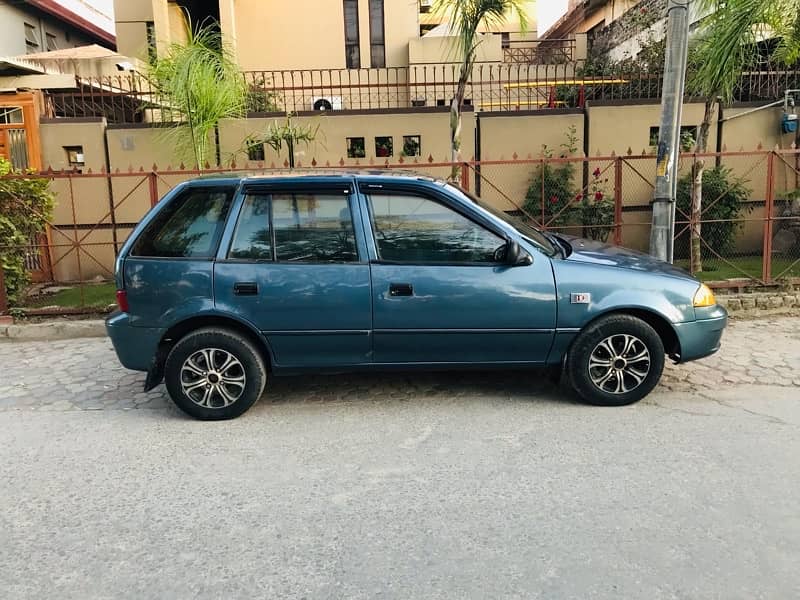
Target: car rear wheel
615 361
214 374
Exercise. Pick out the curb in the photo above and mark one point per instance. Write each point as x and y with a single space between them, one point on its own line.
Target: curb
54 330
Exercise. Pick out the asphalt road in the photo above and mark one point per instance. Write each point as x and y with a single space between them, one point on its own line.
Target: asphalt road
434 486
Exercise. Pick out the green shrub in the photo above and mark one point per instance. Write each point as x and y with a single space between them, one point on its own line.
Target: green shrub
725 202
555 200
26 205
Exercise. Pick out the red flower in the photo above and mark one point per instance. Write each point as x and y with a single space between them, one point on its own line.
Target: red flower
578 196
643 10
553 199
596 173
598 196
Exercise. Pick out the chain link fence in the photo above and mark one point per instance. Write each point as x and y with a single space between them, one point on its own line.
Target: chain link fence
747 229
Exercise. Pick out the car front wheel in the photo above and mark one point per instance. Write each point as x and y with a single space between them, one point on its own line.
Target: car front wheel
615 361
214 374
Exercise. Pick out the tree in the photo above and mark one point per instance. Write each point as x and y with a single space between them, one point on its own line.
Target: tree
290 133
465 17
729 43
201 84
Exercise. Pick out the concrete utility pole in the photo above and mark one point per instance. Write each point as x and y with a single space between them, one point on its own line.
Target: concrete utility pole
663 230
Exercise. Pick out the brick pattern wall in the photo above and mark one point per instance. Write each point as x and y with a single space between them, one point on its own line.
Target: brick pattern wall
633 22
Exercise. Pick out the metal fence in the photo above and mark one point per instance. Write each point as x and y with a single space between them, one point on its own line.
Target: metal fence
749 226
507 86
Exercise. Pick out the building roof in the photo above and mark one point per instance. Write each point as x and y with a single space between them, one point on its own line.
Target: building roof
18 66
54 9
90 52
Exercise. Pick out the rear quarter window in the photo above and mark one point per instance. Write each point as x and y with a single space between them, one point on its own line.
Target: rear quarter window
189 227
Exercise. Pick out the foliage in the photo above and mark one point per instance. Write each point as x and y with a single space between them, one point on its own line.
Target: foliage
201 82
727 196
260 99
26 206
554 196
289 133
465 17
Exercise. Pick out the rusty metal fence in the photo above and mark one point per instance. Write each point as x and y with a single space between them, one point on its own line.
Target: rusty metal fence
748 227
507 86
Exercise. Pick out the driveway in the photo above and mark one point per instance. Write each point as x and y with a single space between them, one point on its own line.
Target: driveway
466 485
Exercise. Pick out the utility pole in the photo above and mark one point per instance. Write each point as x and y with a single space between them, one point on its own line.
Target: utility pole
662 233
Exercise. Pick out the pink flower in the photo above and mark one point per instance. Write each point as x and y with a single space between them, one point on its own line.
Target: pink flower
598 196
553 199
596 172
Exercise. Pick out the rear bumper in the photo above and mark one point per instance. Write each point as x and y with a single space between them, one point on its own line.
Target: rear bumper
702 337
135 346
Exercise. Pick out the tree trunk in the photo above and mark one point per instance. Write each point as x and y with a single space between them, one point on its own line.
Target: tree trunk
455 119
698 166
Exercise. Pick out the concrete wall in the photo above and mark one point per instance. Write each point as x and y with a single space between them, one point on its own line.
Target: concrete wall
14 16
432 125
509 137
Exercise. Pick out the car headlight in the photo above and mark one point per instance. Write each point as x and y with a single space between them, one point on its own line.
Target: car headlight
704 297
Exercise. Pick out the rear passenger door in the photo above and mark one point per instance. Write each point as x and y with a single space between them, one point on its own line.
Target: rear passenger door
295 267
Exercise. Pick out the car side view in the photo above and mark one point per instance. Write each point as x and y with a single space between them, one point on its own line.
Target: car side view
229 281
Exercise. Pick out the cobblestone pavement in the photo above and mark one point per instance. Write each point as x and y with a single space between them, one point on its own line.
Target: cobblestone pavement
85 375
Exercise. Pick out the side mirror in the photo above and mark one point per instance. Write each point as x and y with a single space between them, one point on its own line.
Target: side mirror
516 256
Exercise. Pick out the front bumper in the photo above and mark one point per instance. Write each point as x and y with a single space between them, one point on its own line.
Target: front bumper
701 338
135 346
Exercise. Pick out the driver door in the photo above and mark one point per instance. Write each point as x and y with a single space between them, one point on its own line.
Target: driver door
441 292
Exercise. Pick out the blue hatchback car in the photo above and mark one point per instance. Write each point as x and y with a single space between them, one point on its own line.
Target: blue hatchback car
231 280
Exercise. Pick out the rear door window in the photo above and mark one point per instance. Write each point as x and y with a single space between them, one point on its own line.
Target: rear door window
189 227
295 227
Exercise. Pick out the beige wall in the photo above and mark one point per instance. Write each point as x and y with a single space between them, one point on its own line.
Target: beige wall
334 129
309 34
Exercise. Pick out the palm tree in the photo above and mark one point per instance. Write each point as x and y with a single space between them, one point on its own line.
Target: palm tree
727 45
200 83
465 17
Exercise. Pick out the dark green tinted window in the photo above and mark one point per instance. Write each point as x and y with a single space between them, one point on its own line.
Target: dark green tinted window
313 228
412 229
253 239
189 227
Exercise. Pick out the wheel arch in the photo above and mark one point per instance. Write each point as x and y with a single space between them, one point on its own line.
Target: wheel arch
661 325
178 330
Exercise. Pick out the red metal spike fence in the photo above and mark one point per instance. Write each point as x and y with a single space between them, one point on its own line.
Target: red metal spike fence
750 222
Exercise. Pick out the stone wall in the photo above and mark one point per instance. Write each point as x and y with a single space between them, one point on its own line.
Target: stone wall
647 14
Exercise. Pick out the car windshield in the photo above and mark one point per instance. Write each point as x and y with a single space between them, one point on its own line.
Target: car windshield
532 234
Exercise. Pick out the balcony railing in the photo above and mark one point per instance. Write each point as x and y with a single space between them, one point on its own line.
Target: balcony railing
540 52
131 98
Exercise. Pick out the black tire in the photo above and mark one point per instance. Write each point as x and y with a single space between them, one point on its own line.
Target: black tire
617 384
220 343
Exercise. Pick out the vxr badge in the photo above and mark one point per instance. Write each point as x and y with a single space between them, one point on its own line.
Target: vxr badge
580 298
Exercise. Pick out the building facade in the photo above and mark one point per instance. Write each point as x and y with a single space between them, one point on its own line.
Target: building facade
35 26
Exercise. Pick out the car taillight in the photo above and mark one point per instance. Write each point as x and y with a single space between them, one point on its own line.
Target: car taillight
122 300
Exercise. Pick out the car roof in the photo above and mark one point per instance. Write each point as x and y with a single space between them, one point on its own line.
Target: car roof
375 176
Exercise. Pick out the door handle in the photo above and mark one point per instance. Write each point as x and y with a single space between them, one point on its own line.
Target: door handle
400 289
245 288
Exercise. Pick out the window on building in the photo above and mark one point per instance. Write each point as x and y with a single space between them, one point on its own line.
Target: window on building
356 147
505 39
351 35
377 34
10 115
152 52
189 227
687 134
384 146
412 145
75 157
52 42
255 151
413 229
32 41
